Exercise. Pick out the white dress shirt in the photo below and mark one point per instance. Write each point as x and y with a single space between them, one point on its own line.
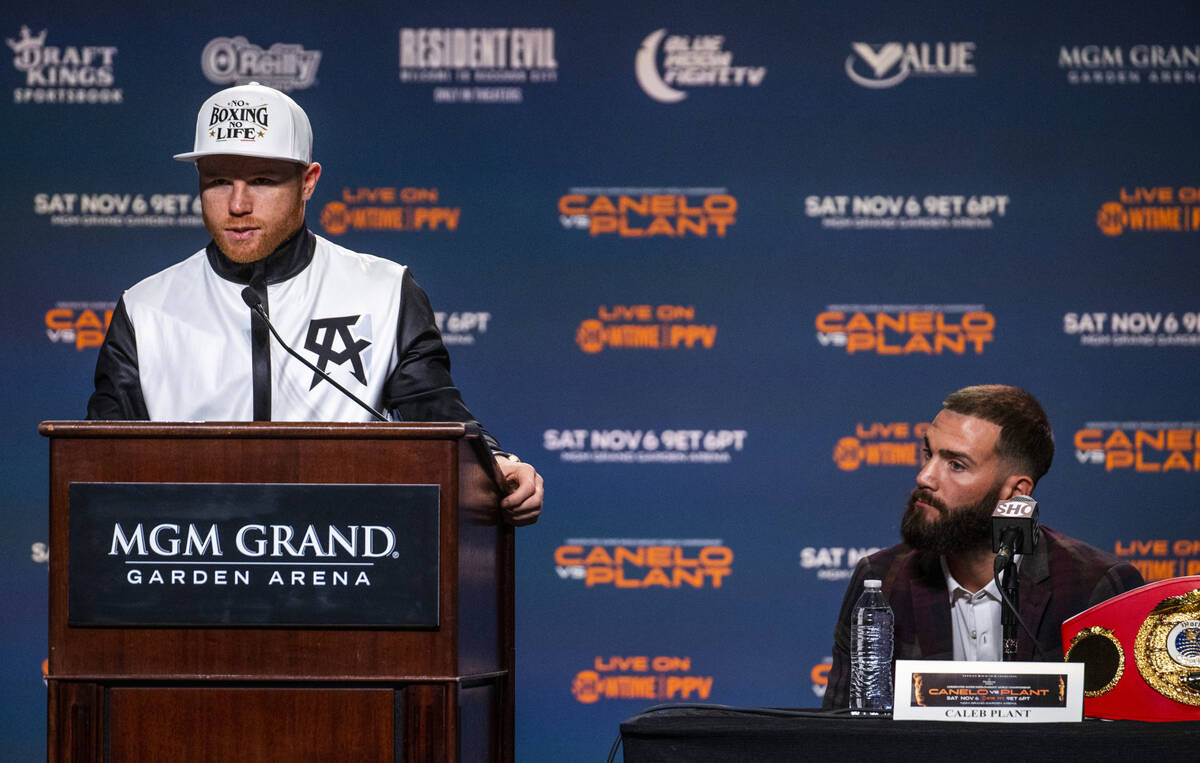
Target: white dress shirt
975 619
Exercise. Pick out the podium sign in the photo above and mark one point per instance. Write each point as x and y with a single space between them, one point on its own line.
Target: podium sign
277 591
192 554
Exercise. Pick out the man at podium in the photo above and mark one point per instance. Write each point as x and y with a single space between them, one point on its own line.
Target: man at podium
193 342
988 444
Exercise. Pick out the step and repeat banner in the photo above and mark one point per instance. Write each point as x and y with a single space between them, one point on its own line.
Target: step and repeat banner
712 267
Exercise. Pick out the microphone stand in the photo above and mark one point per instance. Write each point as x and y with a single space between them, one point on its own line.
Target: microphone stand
256 311
1008 615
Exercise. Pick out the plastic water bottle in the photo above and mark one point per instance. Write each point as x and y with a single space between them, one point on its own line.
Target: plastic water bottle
871 653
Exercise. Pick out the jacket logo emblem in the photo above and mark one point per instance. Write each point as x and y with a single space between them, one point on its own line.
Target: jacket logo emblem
324 334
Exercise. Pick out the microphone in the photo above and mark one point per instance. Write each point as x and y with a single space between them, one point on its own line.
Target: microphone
1014 528
1014 531
254 302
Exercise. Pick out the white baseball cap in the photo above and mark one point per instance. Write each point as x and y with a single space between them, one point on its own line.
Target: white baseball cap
252 120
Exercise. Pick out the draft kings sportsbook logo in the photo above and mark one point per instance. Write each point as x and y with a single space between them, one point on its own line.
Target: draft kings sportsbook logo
1145 447
877 443
644 563
71 74
645 327
640 677
405 209
686 62
1156 209
649 212
906 329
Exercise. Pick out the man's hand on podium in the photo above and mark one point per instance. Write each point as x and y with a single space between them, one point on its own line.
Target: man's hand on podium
523 504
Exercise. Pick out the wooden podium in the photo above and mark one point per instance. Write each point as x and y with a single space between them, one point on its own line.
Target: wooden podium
287 692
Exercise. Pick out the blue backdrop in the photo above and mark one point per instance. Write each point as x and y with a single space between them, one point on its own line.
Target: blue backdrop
709 266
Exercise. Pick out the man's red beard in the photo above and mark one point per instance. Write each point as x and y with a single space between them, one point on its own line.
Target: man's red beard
957 530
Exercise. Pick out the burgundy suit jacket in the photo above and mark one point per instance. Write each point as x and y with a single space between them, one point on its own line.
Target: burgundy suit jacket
1061 578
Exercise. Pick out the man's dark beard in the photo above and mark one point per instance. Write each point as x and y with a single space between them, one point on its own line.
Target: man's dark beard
962 529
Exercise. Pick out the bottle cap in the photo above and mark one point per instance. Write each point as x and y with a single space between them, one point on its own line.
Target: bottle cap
870 584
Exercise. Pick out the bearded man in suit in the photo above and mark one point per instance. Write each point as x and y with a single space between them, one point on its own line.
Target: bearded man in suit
988 444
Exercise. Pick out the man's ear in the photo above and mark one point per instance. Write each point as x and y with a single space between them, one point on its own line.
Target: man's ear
309 180
1016 484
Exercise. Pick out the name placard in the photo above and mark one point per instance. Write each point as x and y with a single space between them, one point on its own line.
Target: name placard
1005 692
203 554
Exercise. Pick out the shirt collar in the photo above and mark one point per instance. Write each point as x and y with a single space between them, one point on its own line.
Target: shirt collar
956 590
288 259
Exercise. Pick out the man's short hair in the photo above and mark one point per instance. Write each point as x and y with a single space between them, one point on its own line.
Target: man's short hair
1025 437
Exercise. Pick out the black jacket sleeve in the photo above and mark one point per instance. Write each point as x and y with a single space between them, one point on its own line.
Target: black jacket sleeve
420 387
118 393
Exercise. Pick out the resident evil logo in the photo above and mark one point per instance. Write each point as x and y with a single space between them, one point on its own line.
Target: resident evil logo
331 340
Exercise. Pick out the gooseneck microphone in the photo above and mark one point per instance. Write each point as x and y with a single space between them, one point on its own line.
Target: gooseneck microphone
254 302
1014 531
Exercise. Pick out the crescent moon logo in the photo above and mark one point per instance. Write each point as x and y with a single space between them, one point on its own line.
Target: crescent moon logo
647 72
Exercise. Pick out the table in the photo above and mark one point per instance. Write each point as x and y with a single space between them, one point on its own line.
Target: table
698 734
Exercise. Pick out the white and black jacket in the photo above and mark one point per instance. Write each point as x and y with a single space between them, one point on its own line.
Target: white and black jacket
182 346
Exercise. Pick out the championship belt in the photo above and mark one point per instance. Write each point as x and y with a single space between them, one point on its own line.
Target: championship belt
1157 627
